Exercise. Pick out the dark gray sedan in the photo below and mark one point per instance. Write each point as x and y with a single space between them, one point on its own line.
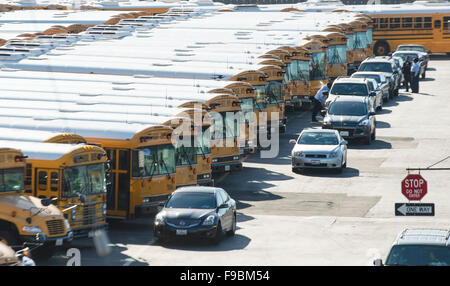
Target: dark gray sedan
200 212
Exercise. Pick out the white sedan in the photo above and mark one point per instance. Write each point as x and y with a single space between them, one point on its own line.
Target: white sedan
319 148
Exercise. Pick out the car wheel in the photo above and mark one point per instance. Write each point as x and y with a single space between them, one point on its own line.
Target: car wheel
368 139
232 231
219 235
396 92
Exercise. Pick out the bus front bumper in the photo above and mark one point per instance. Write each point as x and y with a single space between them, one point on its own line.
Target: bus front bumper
50 241
226 167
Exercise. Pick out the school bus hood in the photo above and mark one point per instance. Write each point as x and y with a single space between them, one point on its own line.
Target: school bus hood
28 204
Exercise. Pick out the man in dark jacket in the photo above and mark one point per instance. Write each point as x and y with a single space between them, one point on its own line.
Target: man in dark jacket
415 71
406 69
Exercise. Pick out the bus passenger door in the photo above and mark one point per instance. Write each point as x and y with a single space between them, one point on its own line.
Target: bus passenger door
118 185
47 183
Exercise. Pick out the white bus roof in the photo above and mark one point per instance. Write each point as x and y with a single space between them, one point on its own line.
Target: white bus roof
26 135
111 130
41 151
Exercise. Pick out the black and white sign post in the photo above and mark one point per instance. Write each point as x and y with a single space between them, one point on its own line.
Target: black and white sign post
414 188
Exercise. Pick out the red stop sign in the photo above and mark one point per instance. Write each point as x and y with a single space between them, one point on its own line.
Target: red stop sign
414 187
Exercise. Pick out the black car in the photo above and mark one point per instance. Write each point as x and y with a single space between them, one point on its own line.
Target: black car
353 117
201 212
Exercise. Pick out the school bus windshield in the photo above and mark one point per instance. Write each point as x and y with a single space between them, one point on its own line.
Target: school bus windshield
11 180
259 103
318 66
84 180
157 160
203 142
297 70
185 155
337 54
274 92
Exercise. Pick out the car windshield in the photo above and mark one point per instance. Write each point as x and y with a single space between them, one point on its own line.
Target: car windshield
349 89
419 255
318 138
376 67
11 180
411 48
347 108
84 180
372 76
185 200
411 56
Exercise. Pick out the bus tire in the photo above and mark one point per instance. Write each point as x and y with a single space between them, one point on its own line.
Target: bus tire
381 48
9 237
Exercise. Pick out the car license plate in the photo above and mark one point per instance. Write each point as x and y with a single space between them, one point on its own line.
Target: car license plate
315 162
181 231
344 133
227 168
59 242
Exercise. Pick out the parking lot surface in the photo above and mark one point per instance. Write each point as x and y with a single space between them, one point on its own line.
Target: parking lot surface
317 217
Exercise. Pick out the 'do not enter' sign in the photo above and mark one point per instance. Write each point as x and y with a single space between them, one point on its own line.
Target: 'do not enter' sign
414 187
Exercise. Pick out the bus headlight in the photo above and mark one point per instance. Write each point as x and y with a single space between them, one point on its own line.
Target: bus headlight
104 209
31 229
214 160
74 214
235 157
67 224
145 200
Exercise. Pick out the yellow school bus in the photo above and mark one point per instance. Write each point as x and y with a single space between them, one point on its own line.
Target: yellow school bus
142 170
369 33
317 65
257 79
72 175
429 27
198 154
296 78
275 96
247 98
26 219
360 41
223 109
336 55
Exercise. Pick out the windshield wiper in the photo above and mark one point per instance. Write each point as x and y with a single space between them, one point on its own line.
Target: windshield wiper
165 167
185 155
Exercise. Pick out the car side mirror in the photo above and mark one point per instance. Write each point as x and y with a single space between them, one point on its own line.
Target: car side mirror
292 141
344 142
372 93
223 206
372 113
323 113
378 262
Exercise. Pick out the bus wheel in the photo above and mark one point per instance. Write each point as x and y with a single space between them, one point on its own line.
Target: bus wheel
8 238
381 48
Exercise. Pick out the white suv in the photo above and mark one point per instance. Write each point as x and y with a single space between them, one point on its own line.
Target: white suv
345 86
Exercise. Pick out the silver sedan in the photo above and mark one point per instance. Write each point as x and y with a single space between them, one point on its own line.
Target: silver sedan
319 148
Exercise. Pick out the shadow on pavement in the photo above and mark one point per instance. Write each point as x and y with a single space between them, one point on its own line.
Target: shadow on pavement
376 145
235 242
326 173
382 124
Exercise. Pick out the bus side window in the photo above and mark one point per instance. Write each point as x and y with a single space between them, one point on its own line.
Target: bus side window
383 23
446 25
28 179
437 24
418 24
54 181
427 23
395 23
407 22
375 23
42 180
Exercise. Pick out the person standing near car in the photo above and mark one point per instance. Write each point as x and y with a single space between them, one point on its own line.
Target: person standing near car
319 100
406 69
415 71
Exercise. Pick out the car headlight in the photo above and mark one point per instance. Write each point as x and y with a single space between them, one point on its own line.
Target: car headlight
333 154
159 219
67 224
31 229
299 154
365 122
210 220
